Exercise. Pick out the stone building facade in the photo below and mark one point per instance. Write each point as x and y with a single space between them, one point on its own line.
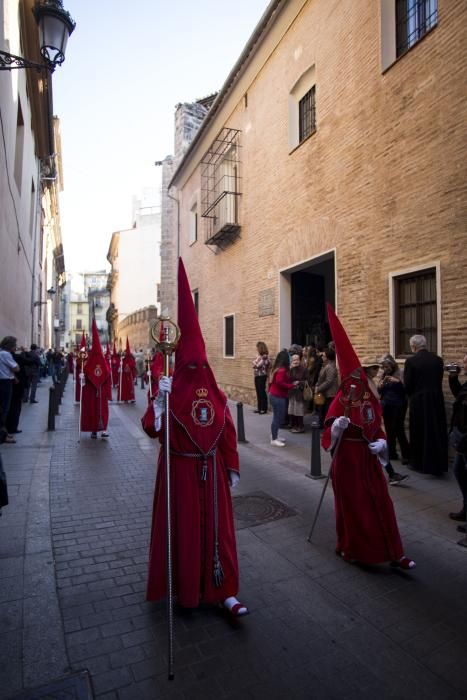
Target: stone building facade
32 271
188 118
137 327
332 168
134 256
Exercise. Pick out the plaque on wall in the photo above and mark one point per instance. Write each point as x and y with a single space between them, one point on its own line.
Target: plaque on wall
266 302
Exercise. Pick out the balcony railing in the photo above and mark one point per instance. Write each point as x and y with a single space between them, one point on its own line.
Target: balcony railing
221 189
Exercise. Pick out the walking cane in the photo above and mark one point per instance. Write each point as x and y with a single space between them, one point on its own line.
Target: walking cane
82 381
336 449
166 335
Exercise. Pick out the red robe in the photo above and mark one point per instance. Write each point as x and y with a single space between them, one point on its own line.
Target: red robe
95 407
128 379
193 521
365 519
115 366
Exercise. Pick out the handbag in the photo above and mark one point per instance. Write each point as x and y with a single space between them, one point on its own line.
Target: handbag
319 399
458 440
307 392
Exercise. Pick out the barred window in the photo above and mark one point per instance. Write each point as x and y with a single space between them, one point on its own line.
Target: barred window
307 115
415 309
229 345
414 18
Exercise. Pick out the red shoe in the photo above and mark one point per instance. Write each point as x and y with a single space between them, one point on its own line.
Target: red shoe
404 563
236 610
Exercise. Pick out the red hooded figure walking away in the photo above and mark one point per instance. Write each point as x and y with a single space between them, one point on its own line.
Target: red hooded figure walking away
115 365
108 360
204 465
127 391
366 523
80 361
95 406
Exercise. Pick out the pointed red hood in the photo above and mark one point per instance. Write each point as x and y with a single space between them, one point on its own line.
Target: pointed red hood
82 345
196 401
364 410
114 350
96 369
128 359
346 356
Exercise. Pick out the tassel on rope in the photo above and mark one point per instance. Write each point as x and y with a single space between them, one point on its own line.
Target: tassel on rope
204 473
218 572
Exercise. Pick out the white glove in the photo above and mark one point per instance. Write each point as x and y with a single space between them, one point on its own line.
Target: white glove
338 427
234 478
377 446
165 387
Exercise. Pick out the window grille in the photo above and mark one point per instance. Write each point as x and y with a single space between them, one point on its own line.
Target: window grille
415 310
221 189
229 336
414 18
307 115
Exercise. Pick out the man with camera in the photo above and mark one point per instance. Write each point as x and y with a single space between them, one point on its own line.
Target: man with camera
458 439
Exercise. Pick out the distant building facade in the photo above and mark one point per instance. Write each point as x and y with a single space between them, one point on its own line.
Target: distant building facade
325 171
32 271
134 257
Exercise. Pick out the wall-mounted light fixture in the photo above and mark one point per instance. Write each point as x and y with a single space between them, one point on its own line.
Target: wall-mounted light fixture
50 293
55 26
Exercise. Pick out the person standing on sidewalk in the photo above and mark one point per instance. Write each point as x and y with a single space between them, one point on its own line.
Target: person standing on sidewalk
204 465
366 523
428 435
33 370
8 370
279 388
95 398
261 365
458 438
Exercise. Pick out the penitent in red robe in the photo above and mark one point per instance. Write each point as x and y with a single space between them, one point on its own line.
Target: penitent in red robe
365 519
128 379
193 521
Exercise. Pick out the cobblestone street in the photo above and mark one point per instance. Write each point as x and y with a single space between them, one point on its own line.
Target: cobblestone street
73 560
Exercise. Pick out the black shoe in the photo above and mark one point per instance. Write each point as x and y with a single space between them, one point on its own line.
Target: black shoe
94 436
13 432
397 478
256 411
33 401
461 528
460 516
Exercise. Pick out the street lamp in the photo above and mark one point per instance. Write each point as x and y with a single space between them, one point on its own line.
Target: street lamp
55 26
50 292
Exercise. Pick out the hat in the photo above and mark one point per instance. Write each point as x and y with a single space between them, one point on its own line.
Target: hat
370 362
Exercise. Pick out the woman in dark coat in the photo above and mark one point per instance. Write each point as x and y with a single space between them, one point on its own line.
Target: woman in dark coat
394 403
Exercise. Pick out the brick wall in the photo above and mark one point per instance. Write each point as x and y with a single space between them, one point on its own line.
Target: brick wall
381 182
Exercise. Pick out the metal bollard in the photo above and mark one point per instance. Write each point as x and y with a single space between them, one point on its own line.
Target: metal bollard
315 470
51 415
240 423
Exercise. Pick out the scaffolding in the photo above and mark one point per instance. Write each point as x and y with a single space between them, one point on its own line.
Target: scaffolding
220 189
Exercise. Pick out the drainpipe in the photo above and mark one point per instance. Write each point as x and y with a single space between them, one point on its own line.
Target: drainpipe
34 252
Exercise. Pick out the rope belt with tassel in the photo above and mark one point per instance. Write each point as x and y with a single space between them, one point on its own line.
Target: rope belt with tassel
218 573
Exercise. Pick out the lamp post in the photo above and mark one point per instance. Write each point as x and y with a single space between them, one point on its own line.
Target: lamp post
55 26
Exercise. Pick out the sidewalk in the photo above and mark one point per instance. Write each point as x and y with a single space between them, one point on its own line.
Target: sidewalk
73 559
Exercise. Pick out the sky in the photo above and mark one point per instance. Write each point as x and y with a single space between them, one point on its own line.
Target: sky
128 63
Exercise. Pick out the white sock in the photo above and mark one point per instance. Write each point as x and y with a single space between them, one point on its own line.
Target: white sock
230 602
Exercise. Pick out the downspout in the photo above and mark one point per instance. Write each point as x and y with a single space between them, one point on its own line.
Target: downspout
34 252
